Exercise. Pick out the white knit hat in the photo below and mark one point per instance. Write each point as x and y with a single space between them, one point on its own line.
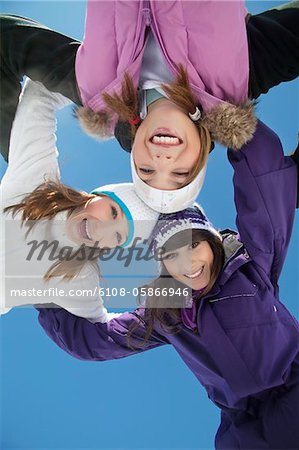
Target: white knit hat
165 201
141 218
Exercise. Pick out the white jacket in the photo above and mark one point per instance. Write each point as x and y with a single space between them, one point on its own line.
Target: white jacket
32 160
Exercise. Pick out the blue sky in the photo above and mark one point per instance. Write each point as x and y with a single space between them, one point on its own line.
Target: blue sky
149 401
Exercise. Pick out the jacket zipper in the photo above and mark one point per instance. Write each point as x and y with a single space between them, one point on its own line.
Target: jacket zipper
146 12
147 16
144 20
157 36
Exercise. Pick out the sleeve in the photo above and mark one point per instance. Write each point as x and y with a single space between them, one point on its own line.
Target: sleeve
88 303
99 341
33 154
273 41
93 309
31 49
265 185
110 30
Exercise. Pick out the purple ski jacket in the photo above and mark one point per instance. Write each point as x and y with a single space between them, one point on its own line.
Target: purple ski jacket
246 352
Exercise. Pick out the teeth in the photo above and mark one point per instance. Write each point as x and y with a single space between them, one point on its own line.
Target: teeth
86 229
196 274
166 140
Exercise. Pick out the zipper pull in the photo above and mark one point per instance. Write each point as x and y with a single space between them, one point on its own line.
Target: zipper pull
246 255
143 109
147 16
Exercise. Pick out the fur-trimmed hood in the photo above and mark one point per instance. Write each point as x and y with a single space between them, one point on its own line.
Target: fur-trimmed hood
96 124
230 125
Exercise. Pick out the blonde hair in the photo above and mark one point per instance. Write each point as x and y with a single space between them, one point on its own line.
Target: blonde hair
126 107
47 200
181 94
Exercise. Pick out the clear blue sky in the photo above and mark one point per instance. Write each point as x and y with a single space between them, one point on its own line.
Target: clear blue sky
149 401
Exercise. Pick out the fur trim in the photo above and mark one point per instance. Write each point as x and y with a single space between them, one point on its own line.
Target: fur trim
231 125
98 125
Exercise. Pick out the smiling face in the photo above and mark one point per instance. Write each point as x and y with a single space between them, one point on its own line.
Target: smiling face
166 146
191 264
99 222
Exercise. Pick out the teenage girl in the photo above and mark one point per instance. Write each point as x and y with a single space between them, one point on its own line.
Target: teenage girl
237 337
177 93
67 230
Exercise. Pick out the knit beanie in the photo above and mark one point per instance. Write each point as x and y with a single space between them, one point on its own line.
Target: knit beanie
170 224
166 201
141 219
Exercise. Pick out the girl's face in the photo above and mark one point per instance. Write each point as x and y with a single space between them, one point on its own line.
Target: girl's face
190 264
99 222
166 146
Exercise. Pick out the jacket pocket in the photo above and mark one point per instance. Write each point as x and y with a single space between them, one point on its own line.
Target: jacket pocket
239 309
249 293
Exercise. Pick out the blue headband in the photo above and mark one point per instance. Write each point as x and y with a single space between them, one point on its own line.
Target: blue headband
125 210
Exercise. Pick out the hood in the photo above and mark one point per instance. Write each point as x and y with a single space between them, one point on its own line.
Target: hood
230 125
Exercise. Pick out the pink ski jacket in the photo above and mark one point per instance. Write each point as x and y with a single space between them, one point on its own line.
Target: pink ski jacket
207 37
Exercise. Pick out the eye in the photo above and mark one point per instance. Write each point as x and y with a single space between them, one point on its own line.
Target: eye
146 171
118 238
169 256
114 212
181 174
195 244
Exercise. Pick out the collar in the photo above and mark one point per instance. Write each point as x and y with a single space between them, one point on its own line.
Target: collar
231 244
235 256
148 96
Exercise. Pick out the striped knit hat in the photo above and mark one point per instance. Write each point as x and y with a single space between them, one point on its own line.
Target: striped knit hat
170 224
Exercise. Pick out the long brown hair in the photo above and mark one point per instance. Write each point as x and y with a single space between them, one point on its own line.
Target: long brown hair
170 318
127 108
47 200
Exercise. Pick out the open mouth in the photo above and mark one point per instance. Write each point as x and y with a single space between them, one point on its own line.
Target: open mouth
196 274
83 230
163 136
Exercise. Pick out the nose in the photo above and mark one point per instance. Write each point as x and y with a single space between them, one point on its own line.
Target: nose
186 263
189 262
163 155
159 155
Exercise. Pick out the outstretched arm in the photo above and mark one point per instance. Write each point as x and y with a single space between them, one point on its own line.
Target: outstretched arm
33 160
33 153
273 42
31 49
99 341
265 187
